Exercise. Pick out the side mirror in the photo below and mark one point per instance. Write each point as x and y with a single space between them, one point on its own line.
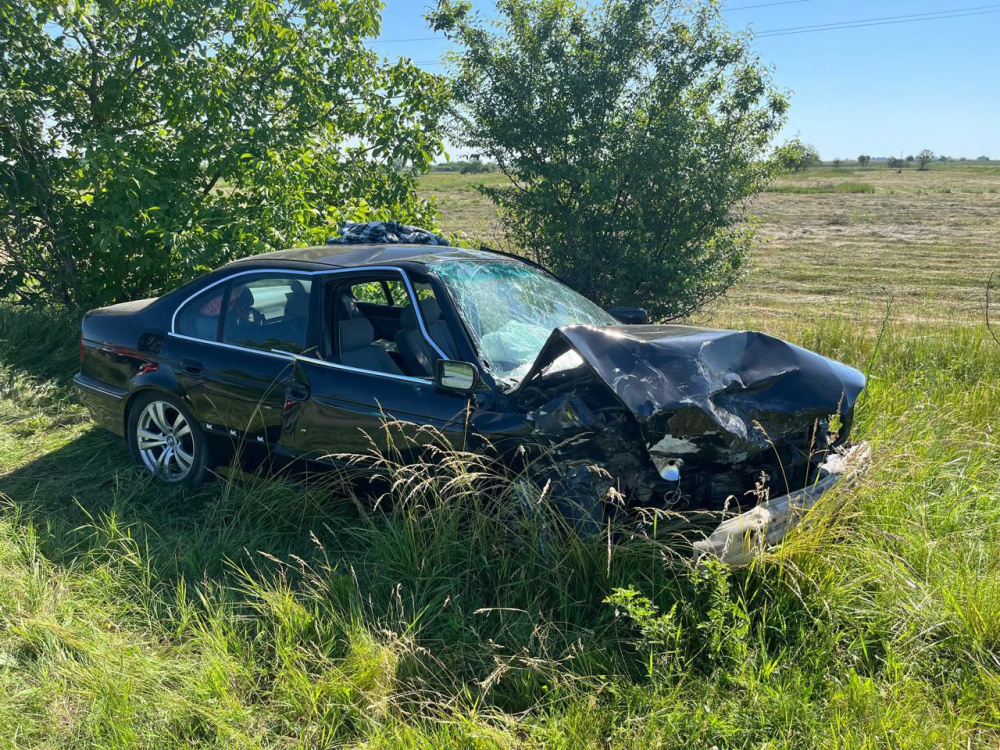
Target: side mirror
630 316
456 376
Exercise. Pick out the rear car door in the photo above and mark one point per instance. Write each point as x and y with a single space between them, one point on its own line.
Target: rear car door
359 380
232 348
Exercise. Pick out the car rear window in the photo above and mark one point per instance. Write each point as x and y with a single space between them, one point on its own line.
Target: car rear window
199 318
261 312
268 313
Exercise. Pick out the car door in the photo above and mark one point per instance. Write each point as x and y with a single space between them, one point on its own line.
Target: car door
232 349
341 406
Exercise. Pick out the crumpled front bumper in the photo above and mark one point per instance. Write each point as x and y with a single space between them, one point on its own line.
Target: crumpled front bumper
740 539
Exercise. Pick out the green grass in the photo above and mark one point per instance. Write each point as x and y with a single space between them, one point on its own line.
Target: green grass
268 613
839 187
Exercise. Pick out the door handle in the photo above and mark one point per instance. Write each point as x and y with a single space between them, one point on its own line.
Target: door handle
191 367
296 392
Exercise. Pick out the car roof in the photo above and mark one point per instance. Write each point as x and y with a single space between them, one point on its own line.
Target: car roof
349 256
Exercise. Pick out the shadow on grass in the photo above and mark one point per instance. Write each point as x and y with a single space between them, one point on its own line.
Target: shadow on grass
88 490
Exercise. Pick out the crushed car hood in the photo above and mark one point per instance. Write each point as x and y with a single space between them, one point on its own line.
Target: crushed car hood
723 395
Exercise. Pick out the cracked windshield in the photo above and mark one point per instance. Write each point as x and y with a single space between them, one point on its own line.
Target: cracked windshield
512 308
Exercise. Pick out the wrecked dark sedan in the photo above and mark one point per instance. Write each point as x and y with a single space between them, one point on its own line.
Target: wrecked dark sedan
305 353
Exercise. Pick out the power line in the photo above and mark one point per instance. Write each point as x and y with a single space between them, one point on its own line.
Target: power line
444 39
887 18
878 23
415 39
765 5
978 10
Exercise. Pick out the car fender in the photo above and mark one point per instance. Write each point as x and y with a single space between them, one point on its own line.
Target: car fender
161 379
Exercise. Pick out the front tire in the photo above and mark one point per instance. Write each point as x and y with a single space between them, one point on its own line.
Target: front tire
167 440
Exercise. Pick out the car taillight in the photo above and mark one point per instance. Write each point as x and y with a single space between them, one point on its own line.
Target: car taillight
83 350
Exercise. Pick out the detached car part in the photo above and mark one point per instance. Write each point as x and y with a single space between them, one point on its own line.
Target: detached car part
739 540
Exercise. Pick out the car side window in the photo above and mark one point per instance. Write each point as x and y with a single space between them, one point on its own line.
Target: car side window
420 353
199 318
268 312
424 291
365 320
370 291
375 325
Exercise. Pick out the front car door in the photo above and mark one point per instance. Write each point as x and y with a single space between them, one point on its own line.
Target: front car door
359 379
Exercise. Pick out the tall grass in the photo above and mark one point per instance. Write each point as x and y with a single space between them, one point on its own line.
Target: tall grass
266 612
839 187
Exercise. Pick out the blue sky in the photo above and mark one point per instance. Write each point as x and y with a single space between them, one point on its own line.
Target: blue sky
881 90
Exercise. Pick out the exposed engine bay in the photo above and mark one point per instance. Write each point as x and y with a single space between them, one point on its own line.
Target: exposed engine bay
682 417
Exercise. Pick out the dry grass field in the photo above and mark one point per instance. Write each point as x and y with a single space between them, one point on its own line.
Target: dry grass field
837 242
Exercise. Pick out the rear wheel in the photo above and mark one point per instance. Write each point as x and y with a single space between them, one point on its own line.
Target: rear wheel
166 439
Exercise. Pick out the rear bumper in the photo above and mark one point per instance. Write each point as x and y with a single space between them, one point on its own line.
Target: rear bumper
105 402
739 540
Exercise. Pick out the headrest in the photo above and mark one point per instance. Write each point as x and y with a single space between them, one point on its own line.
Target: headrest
245 299
347 307
356 333
430 310
296 305
298 288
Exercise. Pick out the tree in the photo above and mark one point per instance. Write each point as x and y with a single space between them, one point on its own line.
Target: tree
474 166
894 162
924 158
630 136
143 141
794 156
910 158
863 160
837 162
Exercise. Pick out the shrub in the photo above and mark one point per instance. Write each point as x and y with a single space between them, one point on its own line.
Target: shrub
632 132
795 156
463 166
143 142
475 167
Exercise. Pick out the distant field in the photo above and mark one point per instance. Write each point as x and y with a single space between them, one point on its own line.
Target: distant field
462 208
837 241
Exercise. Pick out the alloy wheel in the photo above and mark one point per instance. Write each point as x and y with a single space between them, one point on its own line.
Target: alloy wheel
165 441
